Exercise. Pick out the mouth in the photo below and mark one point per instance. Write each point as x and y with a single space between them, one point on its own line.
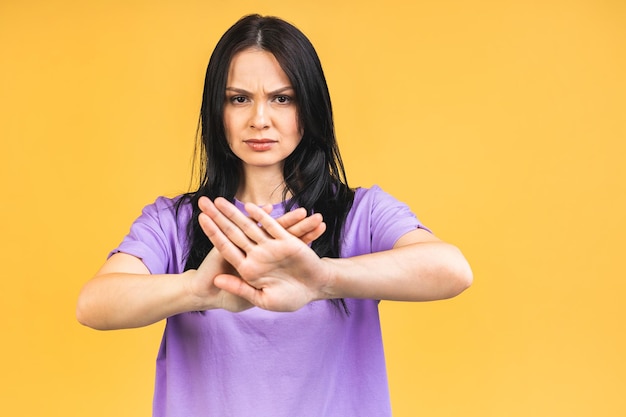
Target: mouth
259 140
260 144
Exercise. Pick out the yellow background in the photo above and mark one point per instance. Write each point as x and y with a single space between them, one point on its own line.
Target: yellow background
502 124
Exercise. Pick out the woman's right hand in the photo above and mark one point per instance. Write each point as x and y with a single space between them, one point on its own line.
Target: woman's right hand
296 222
208 295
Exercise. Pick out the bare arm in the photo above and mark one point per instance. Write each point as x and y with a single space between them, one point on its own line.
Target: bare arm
277 272
123 294
420 267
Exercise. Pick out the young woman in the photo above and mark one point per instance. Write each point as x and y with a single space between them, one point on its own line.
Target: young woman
270 274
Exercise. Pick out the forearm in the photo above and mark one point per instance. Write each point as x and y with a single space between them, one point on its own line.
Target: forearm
417 272
122 300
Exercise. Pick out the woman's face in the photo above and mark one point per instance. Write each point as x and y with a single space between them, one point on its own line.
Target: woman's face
260 114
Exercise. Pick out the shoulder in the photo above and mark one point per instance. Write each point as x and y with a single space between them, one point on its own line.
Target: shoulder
169 210
369 195
376 221
159 235
375 199
163 203
163 220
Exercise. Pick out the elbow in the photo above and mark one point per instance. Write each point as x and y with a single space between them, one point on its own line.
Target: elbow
85 311
82 312
453 272
86 319
83 318
461 275
465 278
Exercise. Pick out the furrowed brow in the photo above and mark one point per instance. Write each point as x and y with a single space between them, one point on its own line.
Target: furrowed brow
237 90
281 90
271 93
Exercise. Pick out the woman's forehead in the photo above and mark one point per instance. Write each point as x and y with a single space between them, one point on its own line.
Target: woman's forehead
254 68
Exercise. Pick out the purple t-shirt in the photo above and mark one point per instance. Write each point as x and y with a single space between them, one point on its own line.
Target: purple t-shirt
314 362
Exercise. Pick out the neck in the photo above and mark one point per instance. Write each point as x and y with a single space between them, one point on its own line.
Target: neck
260 187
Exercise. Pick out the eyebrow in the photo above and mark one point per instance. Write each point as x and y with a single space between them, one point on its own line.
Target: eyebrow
271 93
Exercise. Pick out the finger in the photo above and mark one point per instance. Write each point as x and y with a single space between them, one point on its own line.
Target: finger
314 235
291 218
231 252
305 226
238 287
229 219
269 225
205 204
237 226
222 213
223 223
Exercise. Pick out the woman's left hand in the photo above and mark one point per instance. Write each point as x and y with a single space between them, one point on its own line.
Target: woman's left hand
278 271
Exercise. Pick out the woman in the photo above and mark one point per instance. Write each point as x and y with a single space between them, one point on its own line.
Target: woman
271 304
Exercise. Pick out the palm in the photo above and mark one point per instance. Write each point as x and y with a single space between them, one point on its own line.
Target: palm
271 274
277 271
205 289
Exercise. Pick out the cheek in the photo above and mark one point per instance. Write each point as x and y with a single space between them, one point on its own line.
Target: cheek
295 125
228 126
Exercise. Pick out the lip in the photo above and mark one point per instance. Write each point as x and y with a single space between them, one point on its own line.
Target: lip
260 144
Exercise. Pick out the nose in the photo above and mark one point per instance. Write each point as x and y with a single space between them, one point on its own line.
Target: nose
259 118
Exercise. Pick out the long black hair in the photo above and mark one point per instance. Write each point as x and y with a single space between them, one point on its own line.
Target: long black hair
314 172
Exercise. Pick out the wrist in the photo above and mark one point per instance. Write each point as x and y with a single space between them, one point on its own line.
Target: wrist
328 290
195 301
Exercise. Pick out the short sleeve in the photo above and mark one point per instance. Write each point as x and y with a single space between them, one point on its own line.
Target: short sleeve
376 221
157 236
391 219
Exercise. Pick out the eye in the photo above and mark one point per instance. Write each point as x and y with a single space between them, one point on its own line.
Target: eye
238 99
283 99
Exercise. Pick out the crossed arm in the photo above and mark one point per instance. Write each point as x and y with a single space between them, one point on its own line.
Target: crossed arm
271 267
123 293
277 271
